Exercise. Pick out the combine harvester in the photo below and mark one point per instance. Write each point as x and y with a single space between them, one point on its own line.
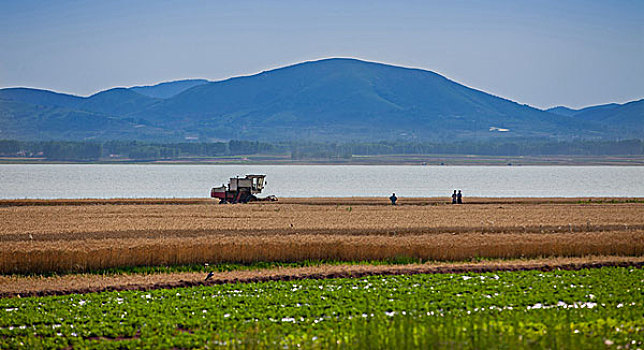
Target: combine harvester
241 190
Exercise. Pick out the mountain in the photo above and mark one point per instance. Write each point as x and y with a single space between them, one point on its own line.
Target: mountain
24 121
327 100
337 99
562 110
168 89
40 97
629 116
117 102
597 109
33 114
569 112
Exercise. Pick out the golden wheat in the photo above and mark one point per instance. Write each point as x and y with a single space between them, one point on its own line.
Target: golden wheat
99 254
87 237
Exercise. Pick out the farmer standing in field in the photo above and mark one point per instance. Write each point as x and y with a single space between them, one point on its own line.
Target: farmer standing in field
454 197
459 197
393 199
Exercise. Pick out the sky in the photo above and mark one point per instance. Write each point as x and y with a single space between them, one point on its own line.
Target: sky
541 53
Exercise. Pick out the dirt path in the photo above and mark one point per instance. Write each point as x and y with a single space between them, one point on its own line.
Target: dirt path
15 286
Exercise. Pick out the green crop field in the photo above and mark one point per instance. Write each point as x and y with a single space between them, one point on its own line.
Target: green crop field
561 309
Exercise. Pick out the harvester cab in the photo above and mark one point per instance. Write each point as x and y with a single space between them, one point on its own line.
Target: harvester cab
241 190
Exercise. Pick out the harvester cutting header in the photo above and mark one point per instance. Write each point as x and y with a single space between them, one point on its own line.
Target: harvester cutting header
241 190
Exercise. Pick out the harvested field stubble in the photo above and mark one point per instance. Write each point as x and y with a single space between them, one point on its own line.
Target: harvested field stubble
131 221
38 239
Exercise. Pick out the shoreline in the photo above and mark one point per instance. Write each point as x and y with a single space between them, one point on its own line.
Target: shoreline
385 160
402 201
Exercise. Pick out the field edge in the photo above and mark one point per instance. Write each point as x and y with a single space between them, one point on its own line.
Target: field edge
16 286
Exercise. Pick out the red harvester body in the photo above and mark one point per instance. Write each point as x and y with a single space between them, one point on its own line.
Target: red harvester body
241 190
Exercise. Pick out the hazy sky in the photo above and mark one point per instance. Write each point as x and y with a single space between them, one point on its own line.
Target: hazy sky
542 53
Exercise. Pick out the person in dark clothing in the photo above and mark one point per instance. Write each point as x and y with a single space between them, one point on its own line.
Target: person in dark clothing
459 197
454 197
393 199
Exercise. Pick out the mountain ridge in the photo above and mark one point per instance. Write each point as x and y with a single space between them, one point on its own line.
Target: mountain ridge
168 89
334 99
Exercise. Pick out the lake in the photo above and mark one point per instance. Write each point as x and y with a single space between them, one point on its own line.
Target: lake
193 181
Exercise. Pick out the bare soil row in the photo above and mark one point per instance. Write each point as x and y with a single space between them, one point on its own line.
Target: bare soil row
15 286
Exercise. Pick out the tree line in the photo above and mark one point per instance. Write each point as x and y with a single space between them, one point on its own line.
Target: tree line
137 150
485 148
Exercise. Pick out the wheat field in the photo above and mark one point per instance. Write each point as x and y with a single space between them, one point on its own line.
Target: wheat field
82 237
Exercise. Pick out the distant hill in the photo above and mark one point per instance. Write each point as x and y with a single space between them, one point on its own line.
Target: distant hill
562 110
569 112
337 99
23 121
326 100
627 117
40 97
596 109
117 102
168 89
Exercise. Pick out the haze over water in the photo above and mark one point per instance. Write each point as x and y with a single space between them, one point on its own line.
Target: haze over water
195 181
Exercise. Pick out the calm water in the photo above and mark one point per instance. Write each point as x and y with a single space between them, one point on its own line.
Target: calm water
150 180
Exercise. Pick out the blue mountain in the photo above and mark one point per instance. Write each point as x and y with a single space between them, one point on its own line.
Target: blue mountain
327 100
628 116
116 102
563 110
40 97
168 89
337 99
